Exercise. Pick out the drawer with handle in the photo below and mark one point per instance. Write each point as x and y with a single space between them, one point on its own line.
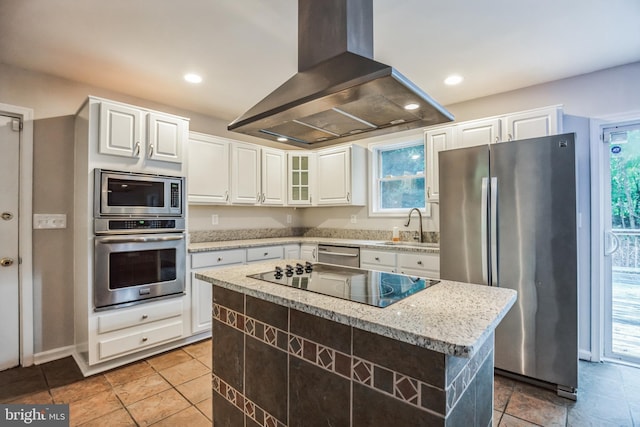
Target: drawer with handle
382 258
217 258
264 253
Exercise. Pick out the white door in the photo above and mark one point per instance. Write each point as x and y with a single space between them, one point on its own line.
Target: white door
245 174
208 177
334 176
478 132
621 232
120 130
9 300
274 178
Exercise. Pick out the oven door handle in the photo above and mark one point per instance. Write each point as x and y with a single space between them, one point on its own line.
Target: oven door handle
139 239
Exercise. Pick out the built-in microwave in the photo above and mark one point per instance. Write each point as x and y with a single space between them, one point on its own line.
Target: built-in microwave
135 194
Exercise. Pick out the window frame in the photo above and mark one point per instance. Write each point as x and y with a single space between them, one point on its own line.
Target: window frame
374 178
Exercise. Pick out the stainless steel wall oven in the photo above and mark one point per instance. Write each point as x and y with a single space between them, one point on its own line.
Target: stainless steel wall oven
139 238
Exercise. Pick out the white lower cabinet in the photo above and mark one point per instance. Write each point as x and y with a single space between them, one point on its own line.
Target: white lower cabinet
378 260
422 265
291 251
201 297
309 252
264 253
128 330
411 264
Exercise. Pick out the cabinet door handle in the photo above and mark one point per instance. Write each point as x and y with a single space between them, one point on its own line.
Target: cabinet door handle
428 193
377 258
263 197
219 259
348 197
497 139
136 152
310 199
145 317
313 254
150 150
509 137
257 197
226 196
419 262
145 339
266 253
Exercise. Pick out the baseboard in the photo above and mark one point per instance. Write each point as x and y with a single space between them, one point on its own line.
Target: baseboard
55 354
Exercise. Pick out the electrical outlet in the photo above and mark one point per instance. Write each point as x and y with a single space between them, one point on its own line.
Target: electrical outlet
44 221
354 219
214 219
288 218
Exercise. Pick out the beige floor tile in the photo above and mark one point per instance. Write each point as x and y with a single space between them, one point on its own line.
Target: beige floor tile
509 421
184 372
198 350
39 398
188 417
130 372
502 390
82 411
197 390
80 390
206 407
206 361
141 388
157 407
496 418
119 418
535 410
167 360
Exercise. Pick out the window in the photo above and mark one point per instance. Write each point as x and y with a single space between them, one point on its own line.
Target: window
398 178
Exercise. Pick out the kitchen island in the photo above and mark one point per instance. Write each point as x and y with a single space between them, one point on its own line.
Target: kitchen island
289 357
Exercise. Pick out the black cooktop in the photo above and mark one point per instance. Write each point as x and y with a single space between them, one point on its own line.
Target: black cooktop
374 288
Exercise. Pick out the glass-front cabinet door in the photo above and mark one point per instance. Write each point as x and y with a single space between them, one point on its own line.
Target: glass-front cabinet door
301 174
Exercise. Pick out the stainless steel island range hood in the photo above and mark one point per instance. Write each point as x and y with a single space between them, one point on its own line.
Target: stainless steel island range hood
339 93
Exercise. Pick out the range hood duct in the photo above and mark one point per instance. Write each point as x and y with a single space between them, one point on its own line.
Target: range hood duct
340 93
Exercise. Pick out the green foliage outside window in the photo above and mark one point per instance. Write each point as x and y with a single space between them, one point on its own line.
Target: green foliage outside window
401 177
625 180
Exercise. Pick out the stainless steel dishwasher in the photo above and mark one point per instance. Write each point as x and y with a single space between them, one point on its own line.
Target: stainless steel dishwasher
339 255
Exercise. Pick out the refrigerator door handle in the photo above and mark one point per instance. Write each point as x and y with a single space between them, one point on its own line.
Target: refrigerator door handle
484 201
494 231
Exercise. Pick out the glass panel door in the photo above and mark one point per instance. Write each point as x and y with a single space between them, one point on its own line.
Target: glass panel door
622 237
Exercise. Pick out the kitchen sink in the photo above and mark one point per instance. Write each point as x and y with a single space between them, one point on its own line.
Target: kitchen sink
410 244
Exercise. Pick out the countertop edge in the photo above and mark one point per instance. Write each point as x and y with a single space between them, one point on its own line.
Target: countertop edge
250 243
371 319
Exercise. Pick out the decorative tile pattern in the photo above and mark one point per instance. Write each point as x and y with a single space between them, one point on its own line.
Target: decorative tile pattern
250 409
377 377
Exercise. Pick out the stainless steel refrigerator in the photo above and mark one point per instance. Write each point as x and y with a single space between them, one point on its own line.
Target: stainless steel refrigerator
508 219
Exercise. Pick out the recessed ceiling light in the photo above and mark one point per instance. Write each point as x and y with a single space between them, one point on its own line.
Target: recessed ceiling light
282 139
411 106
453 79
193 78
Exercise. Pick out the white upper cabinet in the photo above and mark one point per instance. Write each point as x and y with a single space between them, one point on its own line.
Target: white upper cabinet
342 176
122 130
532 124
436 140
165 136
301 178
245 174
478 132
274 177
208 169
258 175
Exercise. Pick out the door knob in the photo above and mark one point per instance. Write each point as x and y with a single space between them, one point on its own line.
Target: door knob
7 216
6 262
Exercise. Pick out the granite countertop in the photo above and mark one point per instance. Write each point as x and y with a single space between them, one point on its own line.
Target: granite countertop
450 317
363 244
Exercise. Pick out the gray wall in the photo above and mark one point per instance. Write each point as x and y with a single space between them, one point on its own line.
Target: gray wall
54 100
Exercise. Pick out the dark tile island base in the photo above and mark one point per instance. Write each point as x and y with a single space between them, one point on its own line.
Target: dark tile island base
278 366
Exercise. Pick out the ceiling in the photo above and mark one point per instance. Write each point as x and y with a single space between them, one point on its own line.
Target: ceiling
246 48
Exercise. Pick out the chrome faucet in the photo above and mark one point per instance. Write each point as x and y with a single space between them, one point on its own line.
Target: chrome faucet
419 238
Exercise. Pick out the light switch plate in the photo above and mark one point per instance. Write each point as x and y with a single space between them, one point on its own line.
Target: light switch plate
44 221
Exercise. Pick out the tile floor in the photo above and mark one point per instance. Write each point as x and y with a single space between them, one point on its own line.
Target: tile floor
174 389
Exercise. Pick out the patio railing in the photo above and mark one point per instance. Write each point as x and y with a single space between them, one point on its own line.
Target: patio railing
627 257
